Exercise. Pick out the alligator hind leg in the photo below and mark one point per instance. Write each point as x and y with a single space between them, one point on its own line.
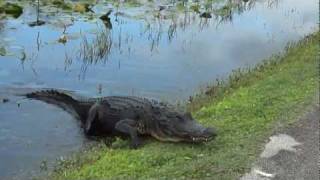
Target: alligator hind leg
96 113
128 126
92 115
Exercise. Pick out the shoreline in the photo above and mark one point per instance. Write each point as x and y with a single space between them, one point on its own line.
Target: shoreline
246 109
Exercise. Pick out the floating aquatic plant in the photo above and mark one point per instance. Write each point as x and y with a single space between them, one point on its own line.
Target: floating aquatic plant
11 9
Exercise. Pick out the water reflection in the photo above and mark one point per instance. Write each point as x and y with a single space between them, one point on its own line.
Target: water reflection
159 27
167 21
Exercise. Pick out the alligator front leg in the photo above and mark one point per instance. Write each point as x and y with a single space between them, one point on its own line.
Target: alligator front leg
128 126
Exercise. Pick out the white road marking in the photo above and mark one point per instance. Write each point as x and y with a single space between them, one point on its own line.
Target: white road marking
264 174
277 143
274 146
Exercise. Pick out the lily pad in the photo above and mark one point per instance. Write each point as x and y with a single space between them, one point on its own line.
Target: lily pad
61 4
63 39
3 51
82 8
11 9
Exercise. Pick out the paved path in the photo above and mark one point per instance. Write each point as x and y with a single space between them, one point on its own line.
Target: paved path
292 154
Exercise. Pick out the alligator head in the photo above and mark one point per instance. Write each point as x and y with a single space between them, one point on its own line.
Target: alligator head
178 127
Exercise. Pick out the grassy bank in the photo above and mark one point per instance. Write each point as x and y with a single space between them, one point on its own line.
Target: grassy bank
245 110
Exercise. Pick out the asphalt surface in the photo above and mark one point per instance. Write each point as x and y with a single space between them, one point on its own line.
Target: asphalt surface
292 153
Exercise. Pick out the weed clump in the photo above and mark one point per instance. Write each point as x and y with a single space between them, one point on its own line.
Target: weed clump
11 9
61 4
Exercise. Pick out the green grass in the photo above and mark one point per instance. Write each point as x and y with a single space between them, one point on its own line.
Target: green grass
245 110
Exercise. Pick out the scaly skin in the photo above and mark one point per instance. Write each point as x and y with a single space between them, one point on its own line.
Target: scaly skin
128 116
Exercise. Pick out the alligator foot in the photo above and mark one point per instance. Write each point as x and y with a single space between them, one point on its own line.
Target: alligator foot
128 127
135 143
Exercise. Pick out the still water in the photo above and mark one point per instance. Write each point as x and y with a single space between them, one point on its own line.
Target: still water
167 54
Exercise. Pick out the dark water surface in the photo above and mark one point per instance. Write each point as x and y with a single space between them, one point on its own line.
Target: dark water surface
168 55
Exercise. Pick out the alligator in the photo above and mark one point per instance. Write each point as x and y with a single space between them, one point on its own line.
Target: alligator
128 116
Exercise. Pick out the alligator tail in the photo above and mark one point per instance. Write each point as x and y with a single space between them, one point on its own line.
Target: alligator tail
60 99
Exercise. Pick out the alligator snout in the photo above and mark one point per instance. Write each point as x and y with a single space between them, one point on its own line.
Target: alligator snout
210 133
205 135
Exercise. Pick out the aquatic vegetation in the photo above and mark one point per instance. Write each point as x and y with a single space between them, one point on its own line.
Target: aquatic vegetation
132 3
96 50
62 4
3 51
205 15
9 48
225 10
63 39
38 22
82 7
181 6
195 8
106 19
11 9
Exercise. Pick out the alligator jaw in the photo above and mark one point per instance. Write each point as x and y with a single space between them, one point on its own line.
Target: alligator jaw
200 139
